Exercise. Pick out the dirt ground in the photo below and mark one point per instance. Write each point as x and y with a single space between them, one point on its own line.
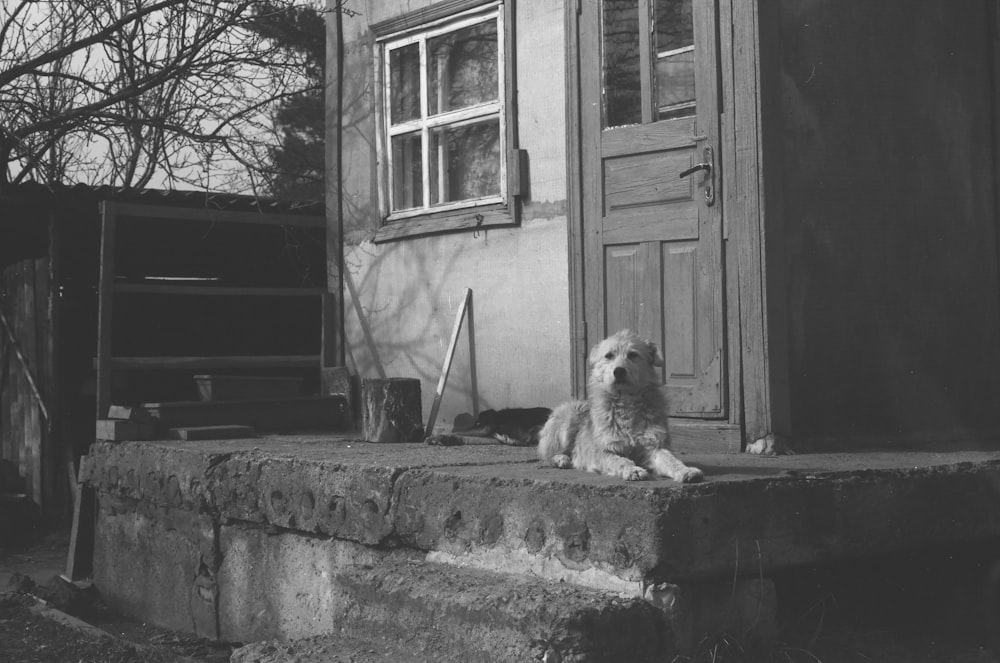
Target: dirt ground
924 611
30 635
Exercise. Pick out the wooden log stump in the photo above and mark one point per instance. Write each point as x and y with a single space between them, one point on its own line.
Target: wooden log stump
392 410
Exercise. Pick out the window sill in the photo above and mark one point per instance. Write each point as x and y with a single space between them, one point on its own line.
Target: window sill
499 216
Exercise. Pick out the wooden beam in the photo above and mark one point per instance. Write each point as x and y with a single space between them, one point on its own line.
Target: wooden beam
755 224
334 349
79 561
468 219
208 290
646 55
438 11
473 380
317 413
731 206
105 299
574 211
34 431
590 140
139 212
448 356
58 502
201 363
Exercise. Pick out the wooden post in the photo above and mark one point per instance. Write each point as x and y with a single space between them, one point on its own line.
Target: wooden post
80 560
391 410
473 380
334 352
105 294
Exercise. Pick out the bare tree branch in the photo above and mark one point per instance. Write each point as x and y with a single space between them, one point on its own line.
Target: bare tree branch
127 91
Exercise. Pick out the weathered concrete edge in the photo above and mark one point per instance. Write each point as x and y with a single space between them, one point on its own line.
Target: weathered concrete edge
428 509
479 618
761 525
609 536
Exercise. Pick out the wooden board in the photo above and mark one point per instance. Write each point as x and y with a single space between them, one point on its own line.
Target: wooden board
80 559
123 429
326 413
212 432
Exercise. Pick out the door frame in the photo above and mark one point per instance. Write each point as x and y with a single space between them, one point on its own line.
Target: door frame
757 357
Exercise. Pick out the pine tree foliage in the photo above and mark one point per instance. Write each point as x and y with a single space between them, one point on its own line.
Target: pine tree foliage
297 161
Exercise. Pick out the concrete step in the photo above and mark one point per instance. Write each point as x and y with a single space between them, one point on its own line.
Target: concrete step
262 526
448 613
329 649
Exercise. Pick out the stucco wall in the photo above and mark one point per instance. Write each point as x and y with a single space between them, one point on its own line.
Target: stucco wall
887 205
410 289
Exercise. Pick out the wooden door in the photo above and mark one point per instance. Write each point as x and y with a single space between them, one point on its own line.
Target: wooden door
652 237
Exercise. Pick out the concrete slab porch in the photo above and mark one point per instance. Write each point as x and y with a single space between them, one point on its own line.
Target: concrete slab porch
287 535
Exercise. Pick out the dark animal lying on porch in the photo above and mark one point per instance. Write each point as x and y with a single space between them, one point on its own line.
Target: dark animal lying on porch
517 427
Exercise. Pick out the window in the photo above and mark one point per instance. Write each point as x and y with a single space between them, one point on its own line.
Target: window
669 92
445 146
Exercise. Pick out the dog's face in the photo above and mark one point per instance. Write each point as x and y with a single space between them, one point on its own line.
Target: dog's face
625 361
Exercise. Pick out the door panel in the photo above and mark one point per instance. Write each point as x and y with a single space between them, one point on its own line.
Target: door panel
643 180
652 239
633 278
680 305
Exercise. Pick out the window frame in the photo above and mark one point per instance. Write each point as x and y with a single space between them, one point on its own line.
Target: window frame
481 213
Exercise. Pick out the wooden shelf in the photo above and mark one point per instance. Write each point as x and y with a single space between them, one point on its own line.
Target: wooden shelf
203 363
218 291
278 414
106 363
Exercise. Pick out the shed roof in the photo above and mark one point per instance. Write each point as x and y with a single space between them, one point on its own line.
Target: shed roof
25 210
37 192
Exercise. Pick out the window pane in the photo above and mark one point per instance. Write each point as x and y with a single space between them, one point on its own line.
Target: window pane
462 68
674 25
674 59
404 83
622 79
407 172
465 162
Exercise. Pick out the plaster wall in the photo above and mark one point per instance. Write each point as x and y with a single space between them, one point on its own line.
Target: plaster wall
885 149
409 290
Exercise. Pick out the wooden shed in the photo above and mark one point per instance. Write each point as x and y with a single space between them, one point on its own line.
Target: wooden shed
265 276
797 199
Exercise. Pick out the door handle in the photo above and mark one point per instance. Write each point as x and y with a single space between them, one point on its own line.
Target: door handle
708 165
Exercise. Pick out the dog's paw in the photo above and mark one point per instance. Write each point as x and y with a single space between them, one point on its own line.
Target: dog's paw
634 473
562 461
691 475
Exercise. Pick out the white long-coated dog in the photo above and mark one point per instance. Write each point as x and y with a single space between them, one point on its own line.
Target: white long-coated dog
621 429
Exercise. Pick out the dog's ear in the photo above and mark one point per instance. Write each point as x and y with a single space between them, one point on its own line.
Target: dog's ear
654 354
595 353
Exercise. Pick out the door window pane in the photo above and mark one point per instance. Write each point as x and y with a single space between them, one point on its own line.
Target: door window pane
465 162
675 93
674 25
622 77
462 68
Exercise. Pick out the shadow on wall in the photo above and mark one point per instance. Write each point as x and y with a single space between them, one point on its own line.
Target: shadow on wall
417 294
406 285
